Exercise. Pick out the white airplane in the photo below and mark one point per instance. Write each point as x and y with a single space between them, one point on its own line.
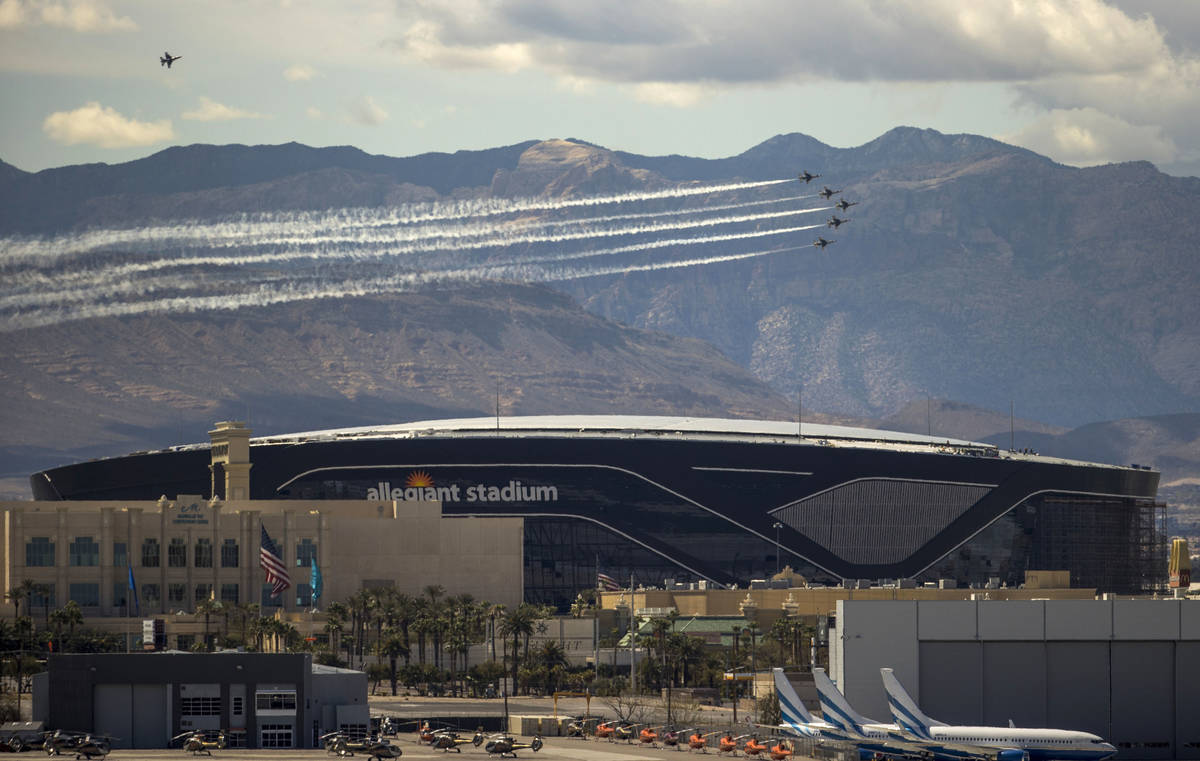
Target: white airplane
793 716
872 738
1004 743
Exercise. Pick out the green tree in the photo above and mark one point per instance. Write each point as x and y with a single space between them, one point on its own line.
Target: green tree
208 607
392 647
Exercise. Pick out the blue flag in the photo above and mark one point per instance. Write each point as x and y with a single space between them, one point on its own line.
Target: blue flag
133 588
315 582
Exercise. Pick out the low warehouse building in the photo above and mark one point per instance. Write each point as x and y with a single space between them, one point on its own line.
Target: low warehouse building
1126 670
143 700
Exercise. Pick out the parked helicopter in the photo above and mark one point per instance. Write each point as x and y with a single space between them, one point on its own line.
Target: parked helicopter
447 740
506 745
82 744
201 741
372 747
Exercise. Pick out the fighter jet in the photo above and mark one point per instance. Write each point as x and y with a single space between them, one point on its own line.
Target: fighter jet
826 193
807 177
844 204
821 243
168 59
836 222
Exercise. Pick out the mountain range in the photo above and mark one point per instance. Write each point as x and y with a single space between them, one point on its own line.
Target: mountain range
971 271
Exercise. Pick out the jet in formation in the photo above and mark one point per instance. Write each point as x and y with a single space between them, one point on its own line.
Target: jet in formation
821 243
826 193
843 204
807 177
916 736
835 222
167 59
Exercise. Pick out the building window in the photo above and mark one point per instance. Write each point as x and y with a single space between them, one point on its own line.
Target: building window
83 552
229 554
303 595
185 641
275 735
42 597
268 601
150 553
204 554
176 594
275 700
200 706
177 553
120 555
306 553
86 595
120 590
229 593
151 594
203 592
39 552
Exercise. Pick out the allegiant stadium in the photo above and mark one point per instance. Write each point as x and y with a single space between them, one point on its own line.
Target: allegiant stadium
719 501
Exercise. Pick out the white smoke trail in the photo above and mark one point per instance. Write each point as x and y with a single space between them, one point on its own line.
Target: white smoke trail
363 250
24 249
125 286
267 294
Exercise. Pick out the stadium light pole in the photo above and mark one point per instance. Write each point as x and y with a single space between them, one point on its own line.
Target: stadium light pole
778 552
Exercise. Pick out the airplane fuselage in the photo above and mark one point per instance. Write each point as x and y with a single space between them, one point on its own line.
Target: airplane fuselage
1040 744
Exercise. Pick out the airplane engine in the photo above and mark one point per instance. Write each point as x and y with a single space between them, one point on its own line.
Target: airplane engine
1012 755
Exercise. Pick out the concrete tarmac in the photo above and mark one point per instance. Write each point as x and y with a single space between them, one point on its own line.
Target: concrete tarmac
555 749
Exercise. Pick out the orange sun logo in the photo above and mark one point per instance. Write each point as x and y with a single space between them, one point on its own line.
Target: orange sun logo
419 478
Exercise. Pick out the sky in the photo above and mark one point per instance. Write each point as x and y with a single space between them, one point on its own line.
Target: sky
1084 82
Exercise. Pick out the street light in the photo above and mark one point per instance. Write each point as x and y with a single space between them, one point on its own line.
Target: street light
622 606
749 609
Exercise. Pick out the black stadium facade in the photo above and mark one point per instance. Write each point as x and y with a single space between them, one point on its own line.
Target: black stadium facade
705 499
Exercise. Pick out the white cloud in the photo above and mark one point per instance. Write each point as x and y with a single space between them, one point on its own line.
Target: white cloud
76 15
299 72
1086 137
677 94
366 111
312 112
212 111
12 14
104 126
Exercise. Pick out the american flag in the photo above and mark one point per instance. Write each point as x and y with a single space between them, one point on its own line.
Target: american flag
606 582
272 562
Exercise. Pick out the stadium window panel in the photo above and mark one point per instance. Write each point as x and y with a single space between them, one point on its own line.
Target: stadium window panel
86 595
83 552
120 554
204 553
306 553
39 552
229 554
151 553
177 553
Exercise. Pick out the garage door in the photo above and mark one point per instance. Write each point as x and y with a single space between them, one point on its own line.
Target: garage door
112 711
150 705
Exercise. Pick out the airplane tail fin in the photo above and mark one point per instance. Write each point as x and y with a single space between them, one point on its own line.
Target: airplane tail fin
792 712
904 708
834 706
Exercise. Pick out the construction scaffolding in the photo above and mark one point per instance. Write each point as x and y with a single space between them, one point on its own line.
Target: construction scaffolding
1112 544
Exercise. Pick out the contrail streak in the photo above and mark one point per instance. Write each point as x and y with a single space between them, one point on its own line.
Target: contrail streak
577 275
20 249
124 286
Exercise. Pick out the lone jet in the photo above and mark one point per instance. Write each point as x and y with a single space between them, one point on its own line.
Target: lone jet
826 193
821 243
835 222
807 177
168 59
844 204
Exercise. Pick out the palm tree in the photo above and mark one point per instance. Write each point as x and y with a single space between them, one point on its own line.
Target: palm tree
22 591
392 647
518 623
208 607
